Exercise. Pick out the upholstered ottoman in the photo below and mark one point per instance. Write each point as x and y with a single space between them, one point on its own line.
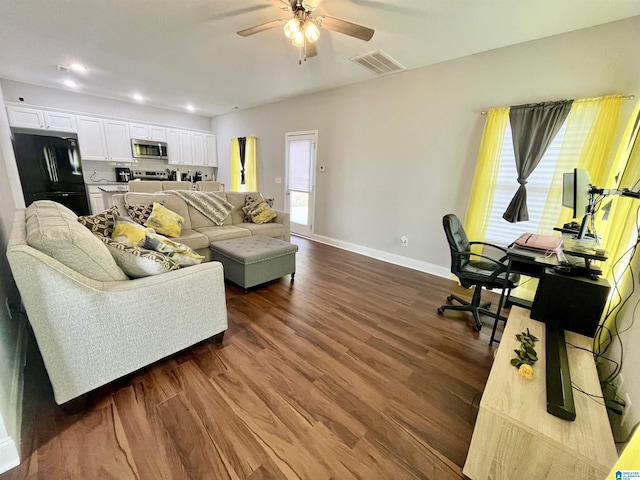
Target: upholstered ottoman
250 261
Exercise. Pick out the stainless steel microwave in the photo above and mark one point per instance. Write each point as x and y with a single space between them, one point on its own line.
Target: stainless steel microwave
148 149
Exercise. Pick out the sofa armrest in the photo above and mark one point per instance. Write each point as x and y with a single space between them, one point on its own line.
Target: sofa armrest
284 219
90 332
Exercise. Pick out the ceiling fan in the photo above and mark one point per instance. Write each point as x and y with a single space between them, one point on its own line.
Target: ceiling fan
303 30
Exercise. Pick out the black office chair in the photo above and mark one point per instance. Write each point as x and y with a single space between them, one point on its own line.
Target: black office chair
474 270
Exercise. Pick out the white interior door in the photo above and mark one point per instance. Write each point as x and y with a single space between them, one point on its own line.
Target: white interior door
300 180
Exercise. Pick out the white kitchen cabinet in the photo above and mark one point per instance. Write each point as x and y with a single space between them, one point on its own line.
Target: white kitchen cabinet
25 117
173 147
97 203
148 132
198 145
91 138
100 196
104 140
59 122
186 149
41 119
211 153
118 141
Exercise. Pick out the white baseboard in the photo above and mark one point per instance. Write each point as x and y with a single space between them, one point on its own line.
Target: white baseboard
9 456
10 446
385 256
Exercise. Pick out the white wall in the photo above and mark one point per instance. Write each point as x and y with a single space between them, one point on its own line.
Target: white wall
400 150
11 343
77 102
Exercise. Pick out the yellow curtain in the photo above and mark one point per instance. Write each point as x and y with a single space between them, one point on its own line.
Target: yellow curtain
595 120
235 165
621 225
250 169
630 458
484 178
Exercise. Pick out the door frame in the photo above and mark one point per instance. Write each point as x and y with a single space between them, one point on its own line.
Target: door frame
306 231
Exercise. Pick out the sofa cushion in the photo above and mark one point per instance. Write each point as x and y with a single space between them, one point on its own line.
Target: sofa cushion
102 223
54 229
275 230
165 221
213 206
223 232
138 262
193 239
172 202
238 200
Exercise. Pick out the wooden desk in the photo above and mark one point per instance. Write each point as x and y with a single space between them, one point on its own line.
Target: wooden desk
514 436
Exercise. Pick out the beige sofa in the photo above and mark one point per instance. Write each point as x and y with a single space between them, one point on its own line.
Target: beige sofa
198 231
92 323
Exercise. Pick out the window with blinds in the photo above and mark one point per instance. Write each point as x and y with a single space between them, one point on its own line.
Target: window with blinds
561 156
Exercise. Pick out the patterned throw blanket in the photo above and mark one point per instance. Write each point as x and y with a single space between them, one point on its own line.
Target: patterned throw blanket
212 206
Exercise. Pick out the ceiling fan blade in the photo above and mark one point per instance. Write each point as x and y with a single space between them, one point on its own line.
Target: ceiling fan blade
260 28
348 28
283 4
234 13
312 50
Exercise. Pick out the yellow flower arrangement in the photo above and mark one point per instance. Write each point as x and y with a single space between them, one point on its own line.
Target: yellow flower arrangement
526 371
526 355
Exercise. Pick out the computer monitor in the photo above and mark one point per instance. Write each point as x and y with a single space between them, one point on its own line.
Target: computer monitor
576 189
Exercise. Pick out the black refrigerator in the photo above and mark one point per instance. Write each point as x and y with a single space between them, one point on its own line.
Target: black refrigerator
50 169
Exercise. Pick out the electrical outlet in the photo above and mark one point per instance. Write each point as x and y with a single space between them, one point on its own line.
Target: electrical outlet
404 240
6 302
627 409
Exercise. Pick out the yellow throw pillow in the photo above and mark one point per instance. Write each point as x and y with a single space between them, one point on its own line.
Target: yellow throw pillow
178 252
165 221
126 231
259 211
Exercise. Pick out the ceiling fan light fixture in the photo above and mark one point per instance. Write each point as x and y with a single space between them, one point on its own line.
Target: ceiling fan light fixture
311 31
291 28
298 39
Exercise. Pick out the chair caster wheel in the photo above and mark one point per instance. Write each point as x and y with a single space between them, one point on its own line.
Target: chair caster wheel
450 298
440 311
477 328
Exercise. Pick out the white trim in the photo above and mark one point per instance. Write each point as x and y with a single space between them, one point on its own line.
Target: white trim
9 451
386 257
9 457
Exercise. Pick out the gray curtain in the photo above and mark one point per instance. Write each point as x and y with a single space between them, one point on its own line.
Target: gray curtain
533 127
242 146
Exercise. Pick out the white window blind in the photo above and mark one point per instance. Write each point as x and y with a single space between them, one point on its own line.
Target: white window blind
563 154
300 156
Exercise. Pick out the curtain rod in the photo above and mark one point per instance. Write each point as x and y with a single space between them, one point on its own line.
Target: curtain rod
625 97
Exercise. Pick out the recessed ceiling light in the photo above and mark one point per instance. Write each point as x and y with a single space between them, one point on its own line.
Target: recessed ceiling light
191 108
76 67
70 83
137 97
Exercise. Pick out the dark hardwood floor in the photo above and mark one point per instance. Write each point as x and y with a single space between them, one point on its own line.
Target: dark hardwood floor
347 372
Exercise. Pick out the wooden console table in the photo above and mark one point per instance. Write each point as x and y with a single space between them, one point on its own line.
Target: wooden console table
515 437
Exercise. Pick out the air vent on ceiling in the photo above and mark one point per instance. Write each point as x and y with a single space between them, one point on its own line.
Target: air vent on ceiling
378 62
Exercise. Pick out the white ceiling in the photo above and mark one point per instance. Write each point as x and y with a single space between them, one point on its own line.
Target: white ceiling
176 52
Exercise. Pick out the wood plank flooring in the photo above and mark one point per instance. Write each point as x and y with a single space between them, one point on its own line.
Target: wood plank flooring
346 373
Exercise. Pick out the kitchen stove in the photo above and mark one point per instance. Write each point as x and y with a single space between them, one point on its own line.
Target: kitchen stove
150 174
